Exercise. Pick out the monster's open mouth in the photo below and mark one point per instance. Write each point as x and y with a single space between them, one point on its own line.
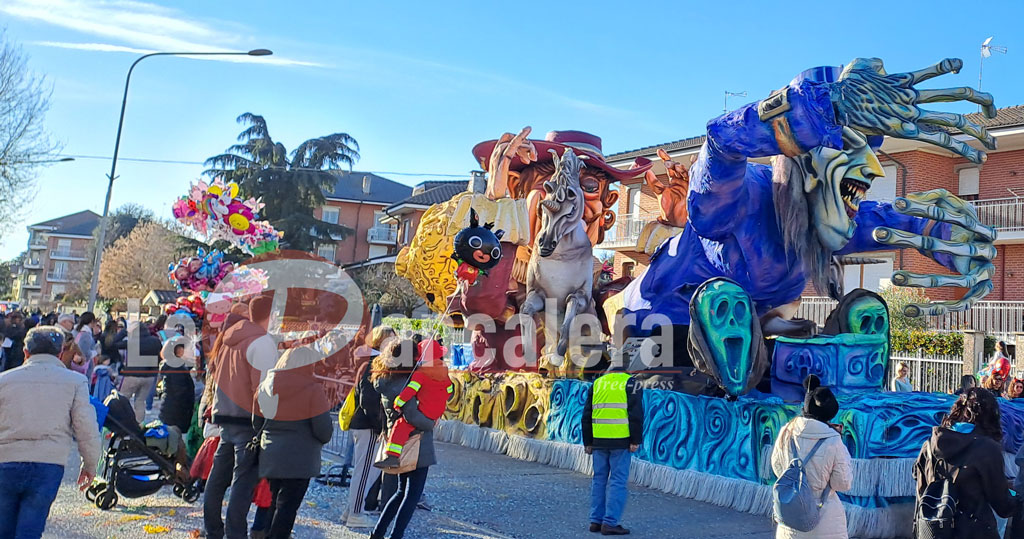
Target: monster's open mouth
853 192
734 351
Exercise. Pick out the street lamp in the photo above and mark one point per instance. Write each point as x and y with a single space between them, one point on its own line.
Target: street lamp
117 145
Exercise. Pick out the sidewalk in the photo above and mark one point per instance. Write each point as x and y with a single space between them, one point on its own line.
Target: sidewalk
472 494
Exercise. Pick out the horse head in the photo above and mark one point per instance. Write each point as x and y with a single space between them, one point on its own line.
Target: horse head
562 206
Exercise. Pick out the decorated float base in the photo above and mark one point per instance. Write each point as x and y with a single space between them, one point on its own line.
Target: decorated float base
710 449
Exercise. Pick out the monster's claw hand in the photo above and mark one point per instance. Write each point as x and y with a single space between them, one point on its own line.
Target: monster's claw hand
873 102
971 246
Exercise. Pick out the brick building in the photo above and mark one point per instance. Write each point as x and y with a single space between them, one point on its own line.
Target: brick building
382 213
57 251
996 188
358 202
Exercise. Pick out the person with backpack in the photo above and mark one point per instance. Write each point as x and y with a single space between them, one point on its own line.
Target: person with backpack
960 473
812 465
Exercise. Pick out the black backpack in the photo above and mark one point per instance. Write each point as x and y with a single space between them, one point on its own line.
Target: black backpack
936 516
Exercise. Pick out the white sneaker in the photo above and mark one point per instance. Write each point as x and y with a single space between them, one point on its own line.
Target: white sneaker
360 521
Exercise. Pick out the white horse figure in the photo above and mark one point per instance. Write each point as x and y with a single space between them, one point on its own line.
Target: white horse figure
561 265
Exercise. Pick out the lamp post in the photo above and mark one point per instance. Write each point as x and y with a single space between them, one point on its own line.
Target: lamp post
117 145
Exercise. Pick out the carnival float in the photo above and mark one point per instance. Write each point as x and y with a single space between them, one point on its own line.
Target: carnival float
736 243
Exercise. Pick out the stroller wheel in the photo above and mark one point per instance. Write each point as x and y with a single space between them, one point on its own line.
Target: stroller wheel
191 494
106 499
93 490
178 490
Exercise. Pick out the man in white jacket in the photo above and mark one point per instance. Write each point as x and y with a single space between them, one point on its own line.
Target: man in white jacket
43 405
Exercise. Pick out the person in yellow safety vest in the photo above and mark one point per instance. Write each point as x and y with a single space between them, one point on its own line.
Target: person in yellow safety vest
613 429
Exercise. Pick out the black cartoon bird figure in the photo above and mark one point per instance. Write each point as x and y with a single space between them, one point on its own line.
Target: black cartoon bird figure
477 249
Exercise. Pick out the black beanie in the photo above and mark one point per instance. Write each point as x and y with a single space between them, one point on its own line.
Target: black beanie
819 402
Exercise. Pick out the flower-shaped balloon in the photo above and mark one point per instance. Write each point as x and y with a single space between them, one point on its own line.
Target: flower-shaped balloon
240 218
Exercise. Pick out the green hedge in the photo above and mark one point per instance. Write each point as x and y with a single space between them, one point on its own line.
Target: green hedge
419 325
928 342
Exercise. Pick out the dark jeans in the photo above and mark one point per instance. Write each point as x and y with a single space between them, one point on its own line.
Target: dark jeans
233 465
382 489
402 504
27 489
288 495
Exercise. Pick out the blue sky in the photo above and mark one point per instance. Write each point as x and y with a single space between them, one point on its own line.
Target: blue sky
419 83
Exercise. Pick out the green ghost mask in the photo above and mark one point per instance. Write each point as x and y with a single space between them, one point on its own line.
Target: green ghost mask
725 335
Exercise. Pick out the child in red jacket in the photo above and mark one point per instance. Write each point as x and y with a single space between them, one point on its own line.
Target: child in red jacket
431 387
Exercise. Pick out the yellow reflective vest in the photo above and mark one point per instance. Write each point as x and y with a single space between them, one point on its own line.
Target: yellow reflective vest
610 419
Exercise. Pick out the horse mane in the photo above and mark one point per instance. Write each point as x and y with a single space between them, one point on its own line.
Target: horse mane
566 167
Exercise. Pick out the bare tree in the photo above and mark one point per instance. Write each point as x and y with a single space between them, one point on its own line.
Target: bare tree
24 143
380 284
137 263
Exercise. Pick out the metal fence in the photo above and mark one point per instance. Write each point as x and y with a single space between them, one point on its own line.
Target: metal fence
336 446
626 230
1006 214
932 373
1000 319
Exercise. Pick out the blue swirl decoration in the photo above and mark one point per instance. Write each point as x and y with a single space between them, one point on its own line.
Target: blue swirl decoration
732 438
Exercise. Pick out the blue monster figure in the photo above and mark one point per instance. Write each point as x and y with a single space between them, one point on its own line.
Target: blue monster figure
771 229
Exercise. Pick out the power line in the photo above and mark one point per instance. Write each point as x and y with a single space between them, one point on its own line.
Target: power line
179 162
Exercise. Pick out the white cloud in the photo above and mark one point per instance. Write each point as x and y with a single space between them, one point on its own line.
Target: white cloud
139 26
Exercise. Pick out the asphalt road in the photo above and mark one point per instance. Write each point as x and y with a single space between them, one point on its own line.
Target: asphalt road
472 494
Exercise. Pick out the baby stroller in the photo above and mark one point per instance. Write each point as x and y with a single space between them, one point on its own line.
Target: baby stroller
130 466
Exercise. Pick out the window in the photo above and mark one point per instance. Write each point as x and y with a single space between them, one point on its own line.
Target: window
406 225
628 268
969 180
634 201
56 290
883 189
329 215
326 251
60 269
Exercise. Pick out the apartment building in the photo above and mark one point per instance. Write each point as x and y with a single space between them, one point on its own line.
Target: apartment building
996 188
406 214
57 252
358 202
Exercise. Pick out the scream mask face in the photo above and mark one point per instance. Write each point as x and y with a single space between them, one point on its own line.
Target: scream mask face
477 245
868 315
725 335
835 183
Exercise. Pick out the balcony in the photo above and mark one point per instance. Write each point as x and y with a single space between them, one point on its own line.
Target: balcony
624 235
36 243
382 234
1005 214
31 264
67 254
58 277
32 284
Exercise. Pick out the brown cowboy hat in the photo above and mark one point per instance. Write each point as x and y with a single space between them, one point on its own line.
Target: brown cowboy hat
582 143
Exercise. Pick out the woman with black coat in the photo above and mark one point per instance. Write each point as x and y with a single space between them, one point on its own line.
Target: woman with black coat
179 388
968 448
391 371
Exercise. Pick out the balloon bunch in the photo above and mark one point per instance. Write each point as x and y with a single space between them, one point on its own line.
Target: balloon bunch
240 284
192 305
215 210
199 273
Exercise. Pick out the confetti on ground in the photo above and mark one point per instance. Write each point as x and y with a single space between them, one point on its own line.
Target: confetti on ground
311 504
171 512
152 528
131 518
195 534
86 513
